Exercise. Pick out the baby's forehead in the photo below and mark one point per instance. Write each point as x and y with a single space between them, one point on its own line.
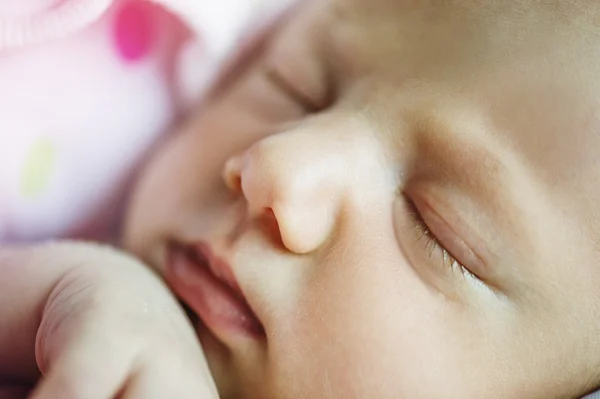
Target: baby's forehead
534 82
384 31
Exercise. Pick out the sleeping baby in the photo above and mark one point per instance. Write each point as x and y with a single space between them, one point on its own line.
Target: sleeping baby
370 199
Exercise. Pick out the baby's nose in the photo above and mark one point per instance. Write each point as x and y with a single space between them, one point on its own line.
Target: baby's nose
297 178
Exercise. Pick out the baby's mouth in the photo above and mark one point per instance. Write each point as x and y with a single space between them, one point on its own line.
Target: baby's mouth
207 286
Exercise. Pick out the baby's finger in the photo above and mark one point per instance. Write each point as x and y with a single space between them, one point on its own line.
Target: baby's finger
170 378
93 368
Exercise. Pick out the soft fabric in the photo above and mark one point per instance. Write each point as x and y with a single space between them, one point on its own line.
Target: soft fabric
87 87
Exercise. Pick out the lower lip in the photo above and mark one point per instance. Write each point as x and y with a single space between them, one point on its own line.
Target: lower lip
217 306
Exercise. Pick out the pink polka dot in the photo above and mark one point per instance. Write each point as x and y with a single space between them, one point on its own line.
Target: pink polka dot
135 31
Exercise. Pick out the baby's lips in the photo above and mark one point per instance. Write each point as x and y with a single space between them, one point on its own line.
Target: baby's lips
25 22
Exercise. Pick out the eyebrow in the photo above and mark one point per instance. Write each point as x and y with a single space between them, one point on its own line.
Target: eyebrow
461 154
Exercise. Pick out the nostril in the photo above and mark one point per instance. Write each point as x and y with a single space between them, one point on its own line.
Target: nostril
271 227
289 195
235 184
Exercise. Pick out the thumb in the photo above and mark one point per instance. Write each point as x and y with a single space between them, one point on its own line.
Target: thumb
92 366
80 349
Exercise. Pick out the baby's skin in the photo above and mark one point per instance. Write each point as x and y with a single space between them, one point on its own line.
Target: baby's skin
381 199
404 195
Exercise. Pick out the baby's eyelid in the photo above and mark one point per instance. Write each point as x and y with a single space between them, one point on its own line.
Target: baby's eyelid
277 78
452 241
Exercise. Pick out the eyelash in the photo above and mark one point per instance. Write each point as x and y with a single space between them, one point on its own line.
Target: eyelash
275 77
432 244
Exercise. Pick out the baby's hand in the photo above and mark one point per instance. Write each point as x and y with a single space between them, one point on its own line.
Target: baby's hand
110 329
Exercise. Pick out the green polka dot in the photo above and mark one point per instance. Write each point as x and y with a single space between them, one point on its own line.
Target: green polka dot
39 166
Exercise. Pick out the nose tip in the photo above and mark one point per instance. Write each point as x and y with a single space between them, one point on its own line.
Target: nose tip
282 180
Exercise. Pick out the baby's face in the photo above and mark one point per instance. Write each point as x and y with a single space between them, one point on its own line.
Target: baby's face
405 192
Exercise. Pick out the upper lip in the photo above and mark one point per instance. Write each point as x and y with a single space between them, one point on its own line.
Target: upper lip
218 267
222 271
